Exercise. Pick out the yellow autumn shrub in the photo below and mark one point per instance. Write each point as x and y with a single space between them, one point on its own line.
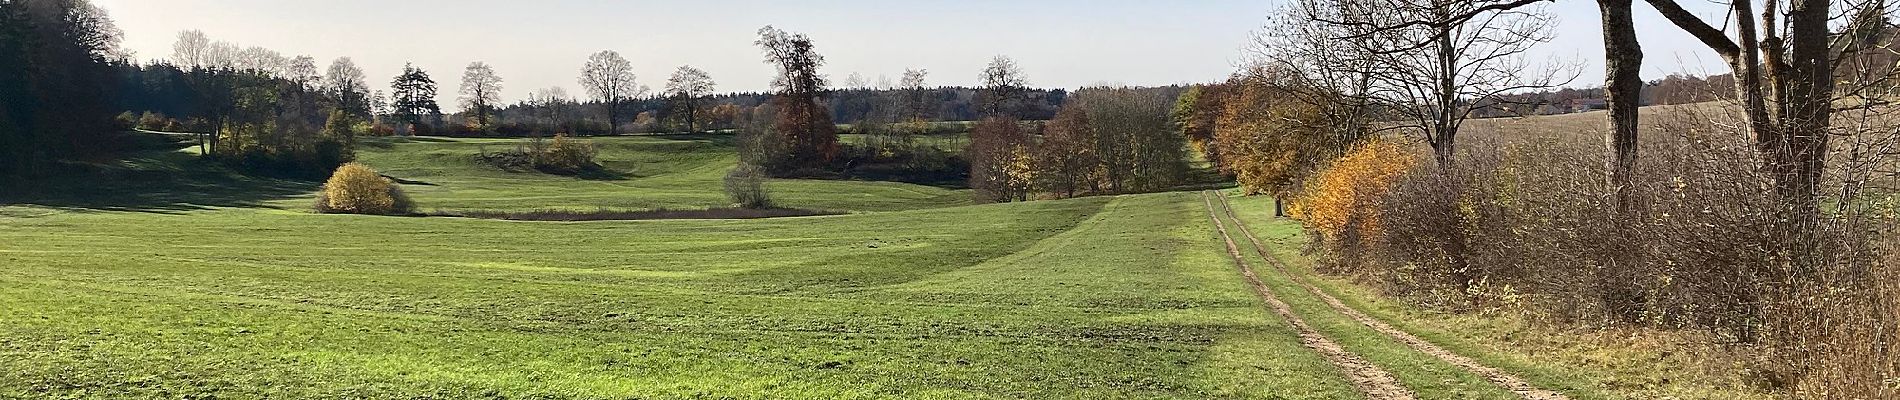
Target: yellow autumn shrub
357 189
1345 195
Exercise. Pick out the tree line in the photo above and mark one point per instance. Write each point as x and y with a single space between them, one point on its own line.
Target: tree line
56 58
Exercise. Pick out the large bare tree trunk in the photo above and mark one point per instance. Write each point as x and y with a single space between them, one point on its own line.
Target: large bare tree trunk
1809 92
1617 281
1444 133
1623 63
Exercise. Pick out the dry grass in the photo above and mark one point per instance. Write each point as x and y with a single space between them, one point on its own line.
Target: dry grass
1523 222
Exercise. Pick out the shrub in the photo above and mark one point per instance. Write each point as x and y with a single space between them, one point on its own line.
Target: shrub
1524 221
1343 200
152 121
562 156
566 155
125 121
745 186
357 189
382 130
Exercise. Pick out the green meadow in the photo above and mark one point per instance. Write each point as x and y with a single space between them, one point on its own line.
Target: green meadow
236 290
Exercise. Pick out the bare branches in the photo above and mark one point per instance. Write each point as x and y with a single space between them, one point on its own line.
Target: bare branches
1426 64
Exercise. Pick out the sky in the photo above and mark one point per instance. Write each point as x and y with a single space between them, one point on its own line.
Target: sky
1058 43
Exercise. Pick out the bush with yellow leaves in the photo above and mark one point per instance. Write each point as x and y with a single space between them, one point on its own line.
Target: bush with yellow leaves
357 189
1344 198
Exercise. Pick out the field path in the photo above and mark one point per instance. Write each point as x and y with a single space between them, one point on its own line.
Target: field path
1374 382
1510 382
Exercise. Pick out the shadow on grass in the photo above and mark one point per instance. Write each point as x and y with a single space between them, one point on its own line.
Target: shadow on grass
155 180
389 142
614 215
601 174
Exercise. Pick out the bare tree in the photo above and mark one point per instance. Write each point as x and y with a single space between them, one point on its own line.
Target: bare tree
481 89
303 71
221 54
262 60
855 81
1004 87
192 49
1431 62
1138 149
346 83
1785 79
686 87
1623 81
915 101
552 104
1297 60
609 78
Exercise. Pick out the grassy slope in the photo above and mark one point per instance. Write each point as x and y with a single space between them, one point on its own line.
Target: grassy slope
1090 298
680 172
1582 364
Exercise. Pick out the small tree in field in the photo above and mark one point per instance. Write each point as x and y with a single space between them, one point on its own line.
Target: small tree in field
357 189
745 186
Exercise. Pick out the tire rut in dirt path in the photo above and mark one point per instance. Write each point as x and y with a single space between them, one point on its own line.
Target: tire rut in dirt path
1498 377
1369 379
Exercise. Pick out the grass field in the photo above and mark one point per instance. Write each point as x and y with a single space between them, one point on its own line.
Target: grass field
200 294
677 171
162 276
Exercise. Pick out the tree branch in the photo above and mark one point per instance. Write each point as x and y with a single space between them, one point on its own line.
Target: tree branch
1709 35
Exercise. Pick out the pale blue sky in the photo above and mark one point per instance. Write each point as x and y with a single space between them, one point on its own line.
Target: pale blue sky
541 43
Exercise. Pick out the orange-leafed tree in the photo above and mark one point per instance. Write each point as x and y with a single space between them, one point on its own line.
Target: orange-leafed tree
1000 160
1067 163
1273 132
804 127
1197 113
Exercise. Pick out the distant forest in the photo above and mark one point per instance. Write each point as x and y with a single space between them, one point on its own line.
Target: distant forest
166 92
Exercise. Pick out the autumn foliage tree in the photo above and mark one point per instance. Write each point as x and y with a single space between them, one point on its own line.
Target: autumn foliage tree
1197 114
809 137
1002 160
1066 160
1274 132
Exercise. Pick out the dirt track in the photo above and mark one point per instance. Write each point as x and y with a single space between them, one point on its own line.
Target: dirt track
1375 383
1499 377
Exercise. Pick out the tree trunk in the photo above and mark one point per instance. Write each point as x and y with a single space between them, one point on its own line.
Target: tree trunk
613 116
1809 104
1444 128
1623 56
692 116
1617 284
